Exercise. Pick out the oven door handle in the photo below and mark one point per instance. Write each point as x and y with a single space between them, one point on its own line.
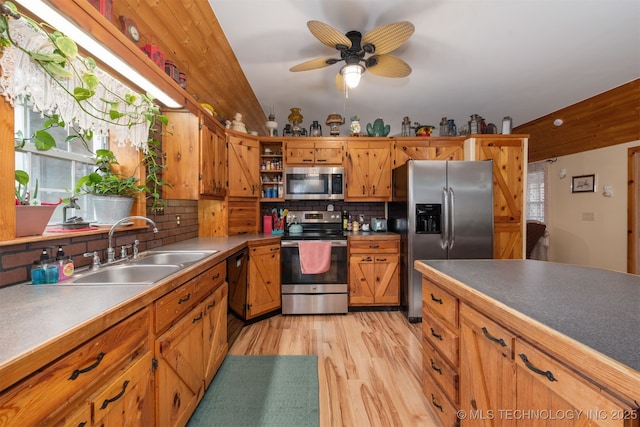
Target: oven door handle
294 243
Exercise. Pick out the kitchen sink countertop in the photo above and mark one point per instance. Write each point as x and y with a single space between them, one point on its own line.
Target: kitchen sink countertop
56 318
595 307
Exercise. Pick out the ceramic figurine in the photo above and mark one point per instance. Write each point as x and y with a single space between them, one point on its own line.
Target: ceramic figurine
378 128
237 124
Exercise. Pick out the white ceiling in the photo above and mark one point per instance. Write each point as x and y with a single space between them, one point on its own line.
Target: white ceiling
495 58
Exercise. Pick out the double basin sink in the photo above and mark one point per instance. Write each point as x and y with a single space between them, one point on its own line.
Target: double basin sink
151 267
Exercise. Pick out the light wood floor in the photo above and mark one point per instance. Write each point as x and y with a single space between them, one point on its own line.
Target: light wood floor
369 364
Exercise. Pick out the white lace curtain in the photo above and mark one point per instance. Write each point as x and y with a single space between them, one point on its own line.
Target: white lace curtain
22 77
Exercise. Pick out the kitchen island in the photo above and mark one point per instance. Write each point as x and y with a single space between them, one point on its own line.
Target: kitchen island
507 335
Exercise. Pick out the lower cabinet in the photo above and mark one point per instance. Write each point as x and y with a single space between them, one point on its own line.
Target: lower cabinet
263 279
504 379
374 277
190 351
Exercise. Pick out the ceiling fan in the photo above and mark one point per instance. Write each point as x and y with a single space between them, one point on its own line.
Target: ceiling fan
354 47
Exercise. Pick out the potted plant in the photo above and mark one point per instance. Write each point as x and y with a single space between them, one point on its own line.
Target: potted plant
113 193
32 216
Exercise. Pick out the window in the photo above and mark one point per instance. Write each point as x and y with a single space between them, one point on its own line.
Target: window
57 170
536 177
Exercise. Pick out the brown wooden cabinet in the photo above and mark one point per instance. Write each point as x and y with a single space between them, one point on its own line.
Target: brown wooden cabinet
509 165
431 148
244 158
195 157
368 170
263 279
190 351
487 369
374 272
305 152
440 360
56 393
271 171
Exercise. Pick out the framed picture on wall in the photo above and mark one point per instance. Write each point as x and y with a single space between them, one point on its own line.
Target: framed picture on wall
583 184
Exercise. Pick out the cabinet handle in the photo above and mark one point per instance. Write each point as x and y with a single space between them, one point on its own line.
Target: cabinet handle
381 259
434 299
116 397
216 276
77 372
185 299
274 249
363 193
492 338
547 374
321 160
436 335
366 259
213 304
434 367
374 189
374 246
195 319
433 401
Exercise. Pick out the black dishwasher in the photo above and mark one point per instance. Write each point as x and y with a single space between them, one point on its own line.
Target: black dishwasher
237 265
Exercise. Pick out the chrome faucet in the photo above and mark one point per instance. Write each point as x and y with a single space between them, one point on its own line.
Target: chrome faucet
111 252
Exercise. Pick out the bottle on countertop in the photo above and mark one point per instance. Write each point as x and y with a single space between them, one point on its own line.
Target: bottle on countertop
345 220
37 273
65 265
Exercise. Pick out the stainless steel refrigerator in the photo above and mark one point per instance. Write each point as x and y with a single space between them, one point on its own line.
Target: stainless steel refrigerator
442 210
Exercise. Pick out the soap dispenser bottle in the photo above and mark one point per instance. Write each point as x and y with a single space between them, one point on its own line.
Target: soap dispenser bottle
65 265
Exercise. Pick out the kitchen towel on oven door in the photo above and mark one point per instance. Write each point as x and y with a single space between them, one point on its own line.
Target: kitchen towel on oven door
315 256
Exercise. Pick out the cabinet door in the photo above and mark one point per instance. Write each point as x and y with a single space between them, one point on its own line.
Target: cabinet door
180 145
243 167
328 152
300 153
379 171
219 163
487 371
387 280
264 280
357 170
362 279
128 399
207 161
215 332
545 384
508 192
180 369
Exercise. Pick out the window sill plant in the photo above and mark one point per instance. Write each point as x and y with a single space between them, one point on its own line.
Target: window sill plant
32 216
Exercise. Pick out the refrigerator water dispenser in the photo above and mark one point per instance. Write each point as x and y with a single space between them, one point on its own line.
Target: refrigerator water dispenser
428 218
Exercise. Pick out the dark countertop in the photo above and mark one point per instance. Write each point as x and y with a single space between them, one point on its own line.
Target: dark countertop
598 308
36 316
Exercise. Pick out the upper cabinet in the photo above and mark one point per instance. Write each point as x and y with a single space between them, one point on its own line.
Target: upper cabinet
244 158
307 152
508 153
368 170
432 148
195 157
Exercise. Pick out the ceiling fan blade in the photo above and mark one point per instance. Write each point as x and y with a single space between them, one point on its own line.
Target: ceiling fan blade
340 82
389 37
389 66
327 34
313 64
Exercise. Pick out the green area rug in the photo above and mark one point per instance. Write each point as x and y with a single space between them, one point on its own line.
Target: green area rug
252 391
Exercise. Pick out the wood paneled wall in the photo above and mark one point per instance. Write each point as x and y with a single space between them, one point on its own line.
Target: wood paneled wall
610 118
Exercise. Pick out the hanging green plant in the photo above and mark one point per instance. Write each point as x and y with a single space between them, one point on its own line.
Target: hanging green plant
122 111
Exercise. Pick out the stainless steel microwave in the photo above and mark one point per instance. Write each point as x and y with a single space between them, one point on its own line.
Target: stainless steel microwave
314 183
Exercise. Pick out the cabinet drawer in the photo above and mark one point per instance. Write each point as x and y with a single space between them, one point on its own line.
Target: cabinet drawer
501 338
209 280
374 246
441 338
440 302
542 379
127 397
171 306
264 250
444 375
45 393
438 402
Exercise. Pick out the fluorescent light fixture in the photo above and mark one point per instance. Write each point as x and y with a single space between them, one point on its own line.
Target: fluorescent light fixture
352 74
54 18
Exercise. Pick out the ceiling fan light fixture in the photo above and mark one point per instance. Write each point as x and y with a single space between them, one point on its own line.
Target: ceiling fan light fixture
351 74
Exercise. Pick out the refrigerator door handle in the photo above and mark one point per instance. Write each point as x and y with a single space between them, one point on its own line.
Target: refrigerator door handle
444 236
452 212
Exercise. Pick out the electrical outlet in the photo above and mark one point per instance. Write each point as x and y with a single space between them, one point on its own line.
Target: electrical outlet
177 219
588 216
